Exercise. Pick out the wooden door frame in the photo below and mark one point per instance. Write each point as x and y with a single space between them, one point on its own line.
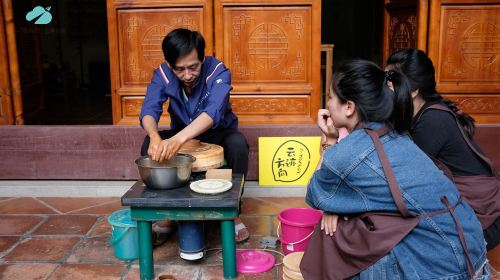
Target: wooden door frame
10 81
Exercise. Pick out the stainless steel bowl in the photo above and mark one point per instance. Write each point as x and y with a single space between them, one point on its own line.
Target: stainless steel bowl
165 175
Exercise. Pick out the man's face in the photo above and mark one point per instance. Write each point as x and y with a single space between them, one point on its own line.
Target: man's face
188 68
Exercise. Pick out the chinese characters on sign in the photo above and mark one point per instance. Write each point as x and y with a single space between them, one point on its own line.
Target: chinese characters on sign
287 160
290 161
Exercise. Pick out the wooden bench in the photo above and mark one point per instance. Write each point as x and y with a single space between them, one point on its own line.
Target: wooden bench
108 152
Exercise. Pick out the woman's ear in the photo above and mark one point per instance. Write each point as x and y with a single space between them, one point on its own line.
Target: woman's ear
414 93
390 85
350 108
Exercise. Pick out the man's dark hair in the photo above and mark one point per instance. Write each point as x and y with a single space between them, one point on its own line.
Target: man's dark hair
180 42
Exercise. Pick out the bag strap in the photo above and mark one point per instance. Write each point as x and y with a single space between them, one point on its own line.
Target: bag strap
389 174
451 209
464 136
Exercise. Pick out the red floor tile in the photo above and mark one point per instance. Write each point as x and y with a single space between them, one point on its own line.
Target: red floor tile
96 249
168 253
6 242
104 209
67 224
101 228
68 204
261 225
42 249
26 271
18 225
217 273
179 272
24 205
494 258
88 271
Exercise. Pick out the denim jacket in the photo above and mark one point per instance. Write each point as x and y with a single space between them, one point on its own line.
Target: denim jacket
351 180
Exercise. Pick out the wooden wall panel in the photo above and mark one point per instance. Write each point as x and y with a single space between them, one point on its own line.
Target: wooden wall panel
405 25
268 47
131 108
272 48
136 30
474 58
485 108
140 38
265 109
464 44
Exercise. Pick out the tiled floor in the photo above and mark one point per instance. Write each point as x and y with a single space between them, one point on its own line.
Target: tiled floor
67 238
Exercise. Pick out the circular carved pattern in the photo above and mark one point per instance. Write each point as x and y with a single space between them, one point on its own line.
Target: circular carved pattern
267 46
151 44
480 46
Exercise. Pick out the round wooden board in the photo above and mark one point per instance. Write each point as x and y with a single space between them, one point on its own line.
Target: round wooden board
207 155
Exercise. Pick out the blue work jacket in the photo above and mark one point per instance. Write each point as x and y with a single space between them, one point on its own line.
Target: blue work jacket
351 180
210 94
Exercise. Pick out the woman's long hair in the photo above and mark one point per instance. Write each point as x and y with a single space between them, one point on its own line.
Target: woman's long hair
418 68
364 83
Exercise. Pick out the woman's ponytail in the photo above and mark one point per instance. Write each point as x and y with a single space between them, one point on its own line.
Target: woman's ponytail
402 112
418 68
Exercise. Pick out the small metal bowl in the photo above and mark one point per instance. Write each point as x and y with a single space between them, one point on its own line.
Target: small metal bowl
170 174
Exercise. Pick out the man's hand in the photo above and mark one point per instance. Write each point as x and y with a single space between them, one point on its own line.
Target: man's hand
166 149
154 143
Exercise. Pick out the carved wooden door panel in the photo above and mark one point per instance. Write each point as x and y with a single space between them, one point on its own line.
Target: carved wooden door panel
136 29
464 43
273 52
405 25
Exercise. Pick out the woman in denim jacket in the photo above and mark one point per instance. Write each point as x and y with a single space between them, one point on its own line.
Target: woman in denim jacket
351 180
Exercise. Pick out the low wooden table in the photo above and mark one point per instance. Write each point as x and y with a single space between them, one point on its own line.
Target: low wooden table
149 205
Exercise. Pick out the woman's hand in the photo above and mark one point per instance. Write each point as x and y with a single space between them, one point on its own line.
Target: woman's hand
329 223
325 124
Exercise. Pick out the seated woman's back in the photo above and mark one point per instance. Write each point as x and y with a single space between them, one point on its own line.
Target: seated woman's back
352 180
375 182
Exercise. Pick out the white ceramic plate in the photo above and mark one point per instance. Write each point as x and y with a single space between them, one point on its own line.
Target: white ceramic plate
211 186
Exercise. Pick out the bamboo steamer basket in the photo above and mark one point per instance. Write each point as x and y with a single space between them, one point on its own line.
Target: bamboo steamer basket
291 266
290 275
208 156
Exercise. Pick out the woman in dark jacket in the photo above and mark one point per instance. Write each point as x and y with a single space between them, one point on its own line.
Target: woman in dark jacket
438 134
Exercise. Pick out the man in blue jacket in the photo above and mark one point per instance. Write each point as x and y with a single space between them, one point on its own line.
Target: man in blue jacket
197 88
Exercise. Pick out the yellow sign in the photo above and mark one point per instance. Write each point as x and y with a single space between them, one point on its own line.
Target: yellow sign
287 161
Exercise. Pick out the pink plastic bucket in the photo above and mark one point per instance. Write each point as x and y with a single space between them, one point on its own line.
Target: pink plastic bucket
297 225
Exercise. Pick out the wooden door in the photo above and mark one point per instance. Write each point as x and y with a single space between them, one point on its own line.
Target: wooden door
21 84
405 25
464 44
6 102
136 29
29 60
10 82
273 49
